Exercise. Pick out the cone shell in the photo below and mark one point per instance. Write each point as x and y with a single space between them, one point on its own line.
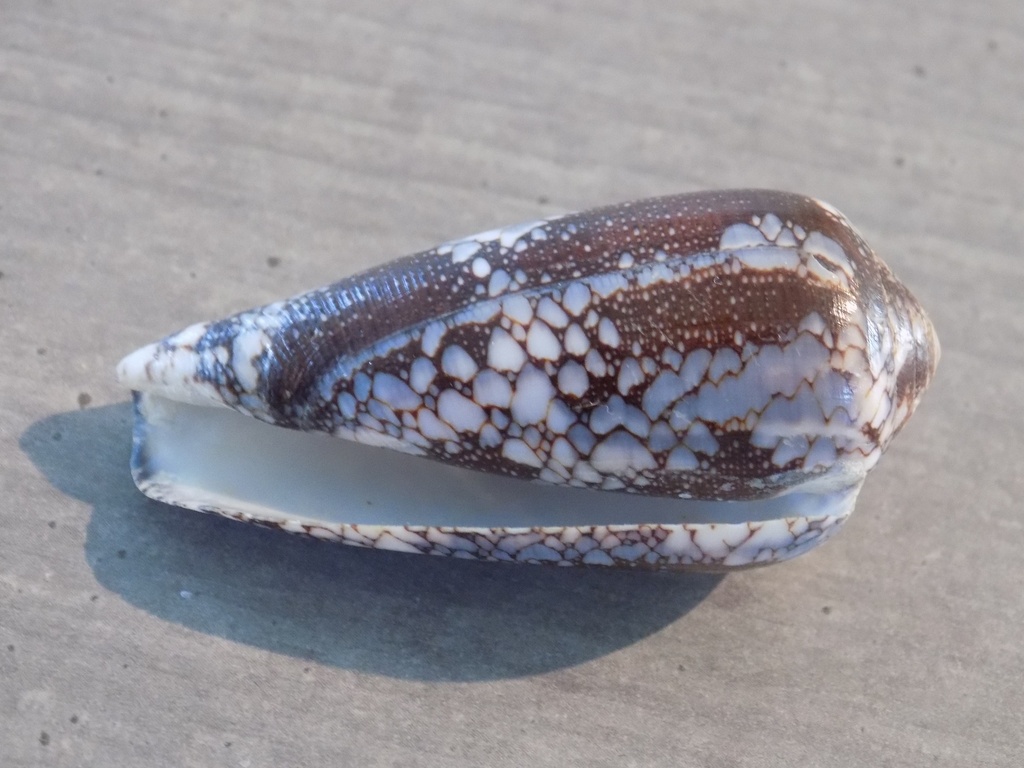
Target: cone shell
740 359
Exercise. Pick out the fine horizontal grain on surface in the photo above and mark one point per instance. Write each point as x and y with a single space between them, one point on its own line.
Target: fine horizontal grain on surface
170 163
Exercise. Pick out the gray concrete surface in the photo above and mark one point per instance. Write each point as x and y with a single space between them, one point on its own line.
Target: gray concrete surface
164 163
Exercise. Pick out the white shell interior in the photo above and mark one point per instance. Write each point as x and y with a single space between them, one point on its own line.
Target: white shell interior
213 458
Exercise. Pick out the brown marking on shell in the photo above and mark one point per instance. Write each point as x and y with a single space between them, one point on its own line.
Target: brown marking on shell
352 313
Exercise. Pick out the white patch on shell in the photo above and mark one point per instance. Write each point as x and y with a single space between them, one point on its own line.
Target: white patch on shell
726 360
457 363
499 281
786 239
492 388
433 428
481 267
573 379
518 309
463 251
630 375
460 412
504 352
767 259
576 298
608 283
432 336
700 440
246 350
551 313
828 260
812 323
361 386
560 417
821 454
595 364
576 341
737 237
509 235
607 333
422 374
661 437
619 453
490 437
394 392
771 226
682 460
563 452
519 452
790 448
668 387
541 343
532 397
190 336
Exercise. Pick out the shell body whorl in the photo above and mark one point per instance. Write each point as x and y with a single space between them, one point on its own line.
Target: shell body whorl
721 346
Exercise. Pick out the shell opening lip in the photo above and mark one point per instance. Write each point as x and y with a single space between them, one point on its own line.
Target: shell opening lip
218 460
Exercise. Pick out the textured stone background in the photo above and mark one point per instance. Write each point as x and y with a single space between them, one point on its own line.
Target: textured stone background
163 163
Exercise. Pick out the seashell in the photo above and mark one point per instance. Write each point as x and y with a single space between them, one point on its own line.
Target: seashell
701 380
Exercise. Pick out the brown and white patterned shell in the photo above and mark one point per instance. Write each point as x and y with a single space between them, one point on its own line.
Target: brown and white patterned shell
721 346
